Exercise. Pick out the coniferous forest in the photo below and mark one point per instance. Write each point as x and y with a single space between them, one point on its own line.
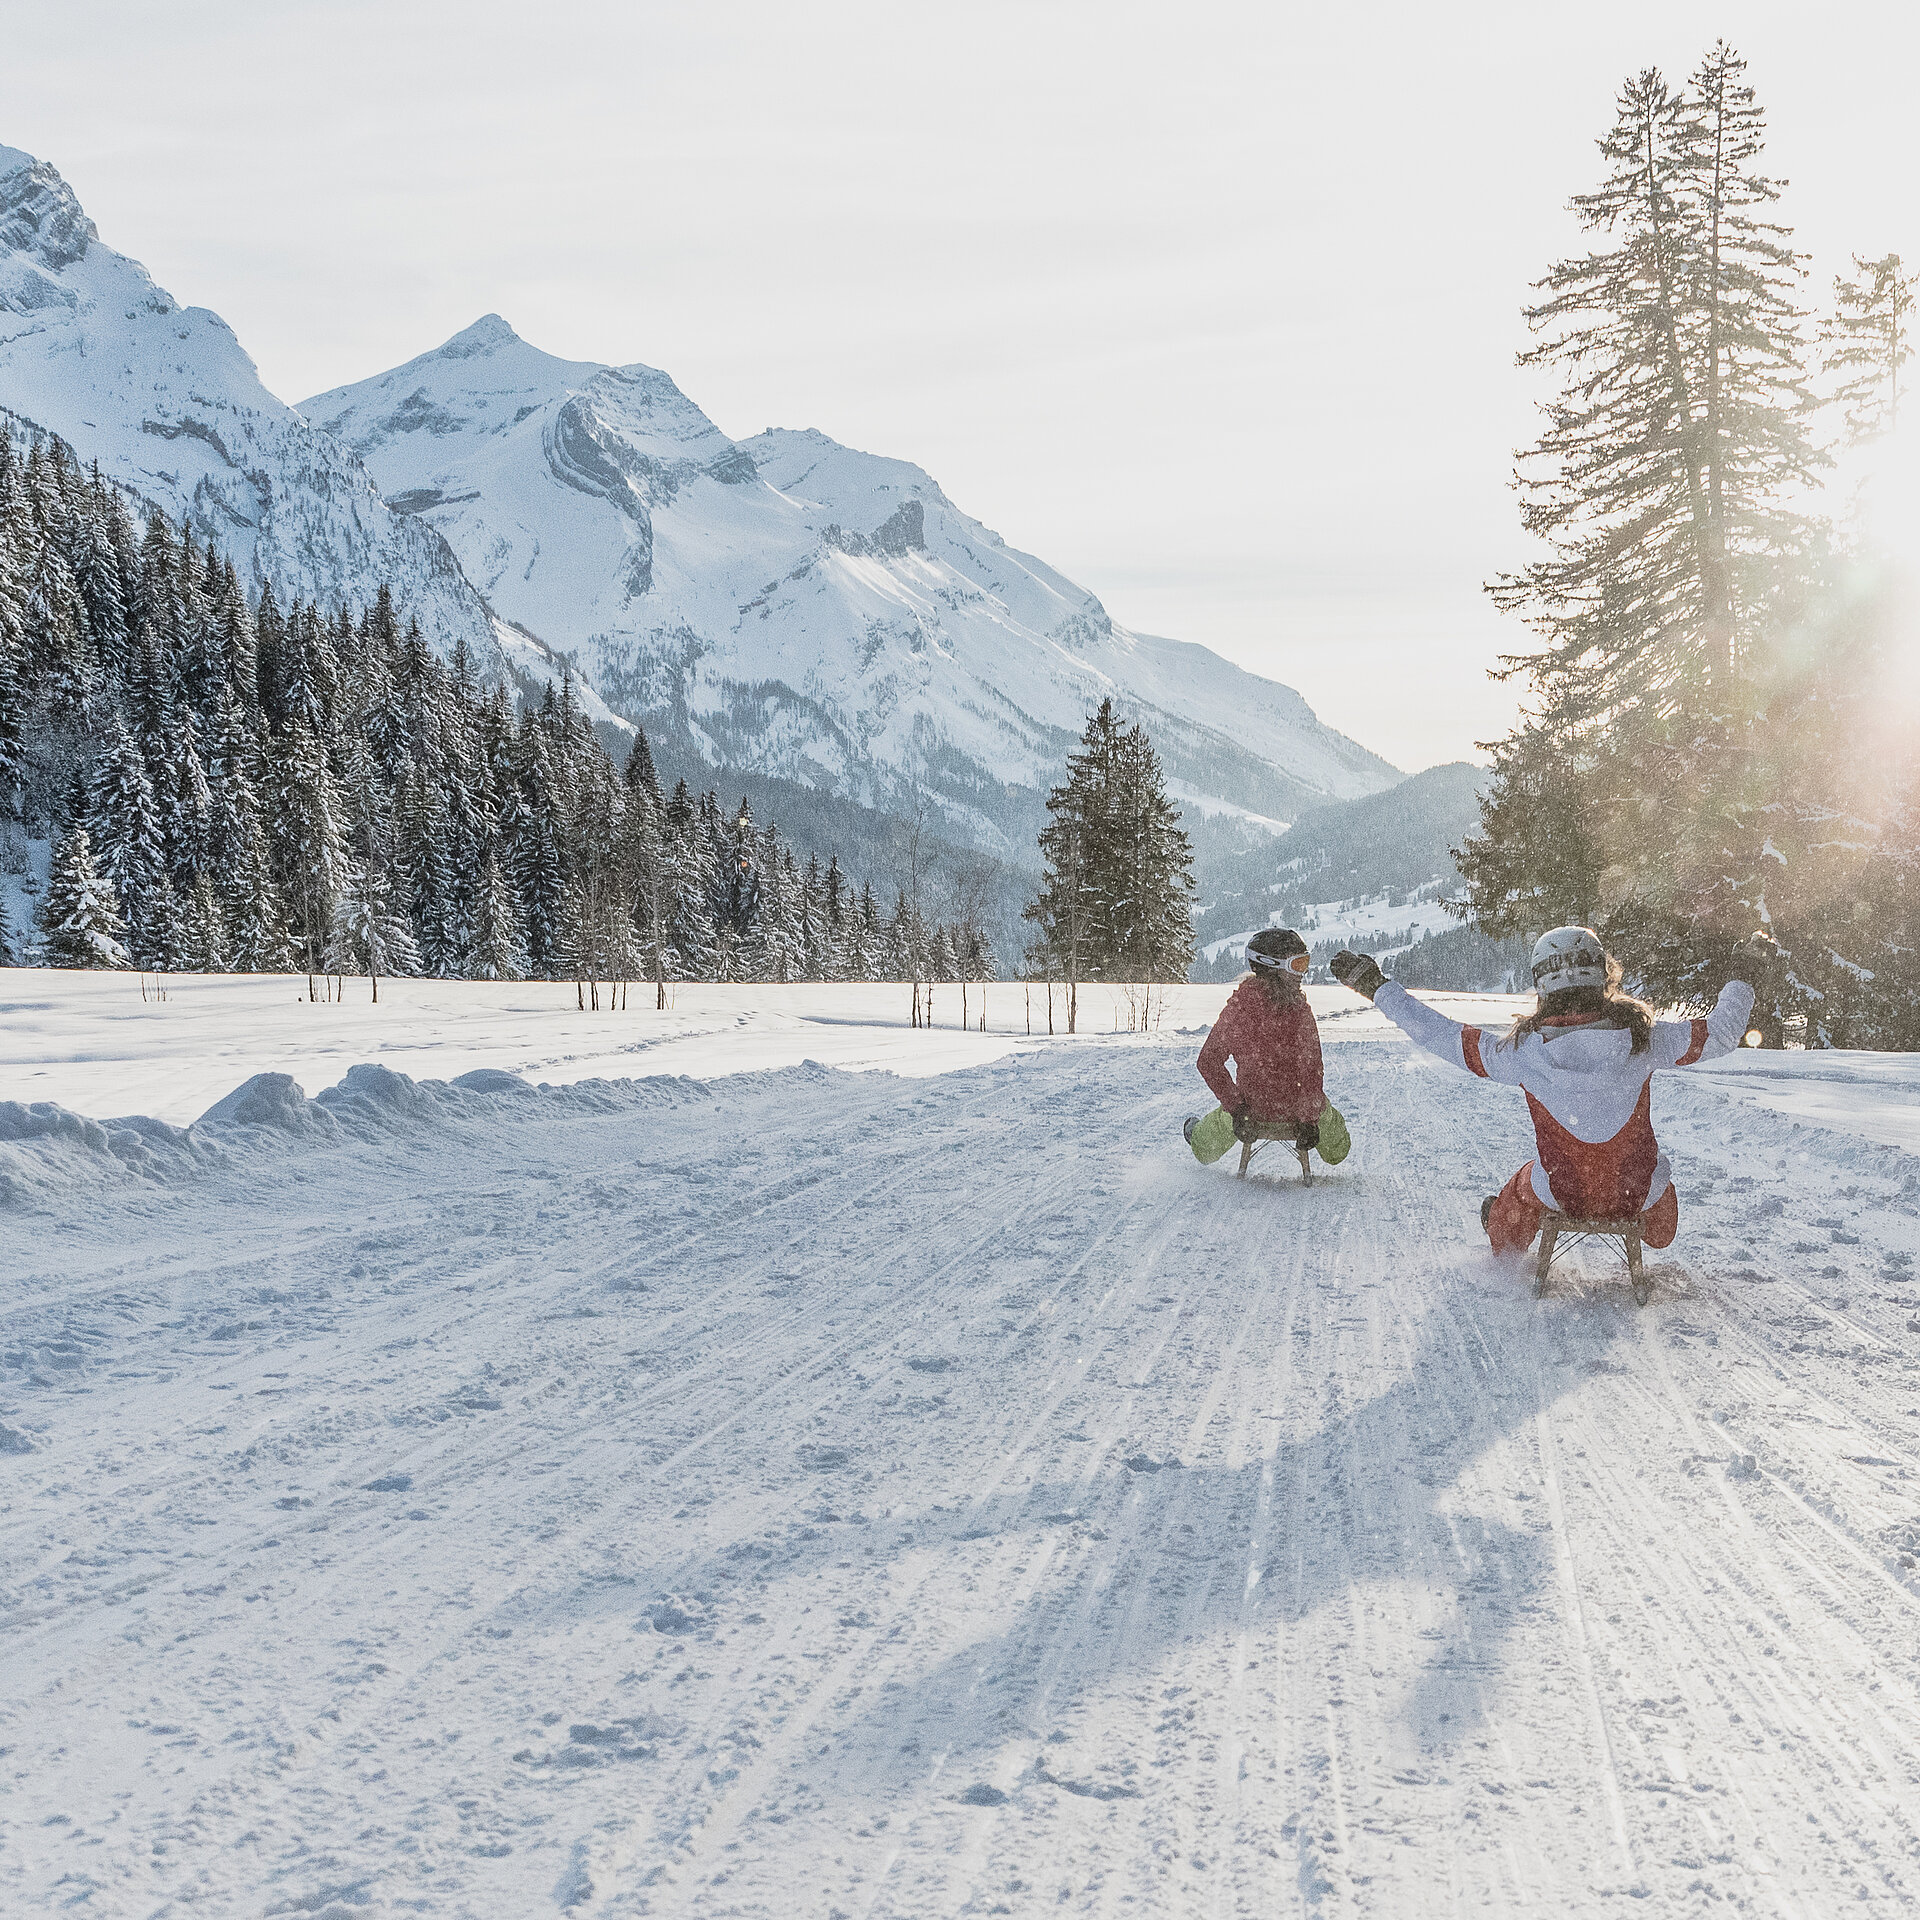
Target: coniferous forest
1723 715
230 785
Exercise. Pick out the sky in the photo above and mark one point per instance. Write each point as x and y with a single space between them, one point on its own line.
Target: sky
1215 308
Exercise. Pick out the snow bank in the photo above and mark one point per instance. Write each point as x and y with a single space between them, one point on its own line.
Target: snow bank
48 1154
96 1043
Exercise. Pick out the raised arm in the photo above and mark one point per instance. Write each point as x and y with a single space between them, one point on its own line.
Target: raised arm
1685 1043
1471 1049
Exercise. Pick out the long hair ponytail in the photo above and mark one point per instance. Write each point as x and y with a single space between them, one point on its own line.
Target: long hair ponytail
1617 1010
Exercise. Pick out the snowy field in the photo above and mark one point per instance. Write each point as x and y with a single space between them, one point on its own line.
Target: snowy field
718 1482
1369 924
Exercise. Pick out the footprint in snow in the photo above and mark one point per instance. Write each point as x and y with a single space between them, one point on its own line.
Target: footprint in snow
390 1483
823 1459
1146 1463
981 1795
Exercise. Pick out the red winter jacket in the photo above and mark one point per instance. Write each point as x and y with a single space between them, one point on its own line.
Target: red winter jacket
1277 1049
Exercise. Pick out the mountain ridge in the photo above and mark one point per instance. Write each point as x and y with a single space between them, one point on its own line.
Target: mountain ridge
788 604
169 404
782 605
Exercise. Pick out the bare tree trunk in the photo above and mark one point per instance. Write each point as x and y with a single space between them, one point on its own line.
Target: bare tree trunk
659 959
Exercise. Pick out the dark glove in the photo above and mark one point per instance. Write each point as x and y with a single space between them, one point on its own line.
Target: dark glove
1240 1124
1360 971
1307 1136
1755 960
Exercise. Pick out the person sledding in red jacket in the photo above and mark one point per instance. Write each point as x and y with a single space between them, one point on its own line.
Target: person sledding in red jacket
1269 1032
1585 1058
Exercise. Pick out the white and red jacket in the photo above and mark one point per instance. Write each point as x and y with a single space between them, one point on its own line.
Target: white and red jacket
1589 1093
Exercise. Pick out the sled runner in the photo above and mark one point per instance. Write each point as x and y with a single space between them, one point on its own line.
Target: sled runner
1254 1131
1626 1231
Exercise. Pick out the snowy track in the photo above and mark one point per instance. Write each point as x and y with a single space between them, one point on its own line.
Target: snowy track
819 1494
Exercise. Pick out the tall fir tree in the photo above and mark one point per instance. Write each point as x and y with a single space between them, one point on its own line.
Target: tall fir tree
129 842
80 923
1868 342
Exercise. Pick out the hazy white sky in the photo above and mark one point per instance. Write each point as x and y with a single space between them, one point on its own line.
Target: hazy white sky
1214 307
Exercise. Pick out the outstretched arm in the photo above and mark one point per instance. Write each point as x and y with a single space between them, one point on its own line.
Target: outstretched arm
1685 1043
1471 1049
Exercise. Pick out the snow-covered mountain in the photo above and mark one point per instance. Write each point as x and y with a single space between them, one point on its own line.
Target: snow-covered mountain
167 401
781 605
788 604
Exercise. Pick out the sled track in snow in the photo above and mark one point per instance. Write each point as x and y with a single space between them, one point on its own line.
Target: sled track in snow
920 1498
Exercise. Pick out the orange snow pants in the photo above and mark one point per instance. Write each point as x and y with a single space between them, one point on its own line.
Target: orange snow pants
1517 1214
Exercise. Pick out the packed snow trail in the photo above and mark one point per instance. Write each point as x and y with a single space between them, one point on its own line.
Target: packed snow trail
829 1494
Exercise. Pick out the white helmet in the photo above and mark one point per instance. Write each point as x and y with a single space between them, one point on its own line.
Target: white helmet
1569 957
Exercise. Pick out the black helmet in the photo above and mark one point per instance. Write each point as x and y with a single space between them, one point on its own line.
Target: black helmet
1278 950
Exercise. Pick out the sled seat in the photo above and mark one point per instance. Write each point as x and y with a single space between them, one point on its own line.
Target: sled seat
1253 1132
1559 1228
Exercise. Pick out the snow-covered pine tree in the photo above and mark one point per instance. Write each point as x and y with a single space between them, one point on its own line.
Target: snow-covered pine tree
870 954
643 861
1148 904
185 799
370 934
689 929
95 563
1075 849
1868 340
202 930
540 852
79 922
12 731
59 648
498 950
310 845
834 906
16 536
815 943
166 929
943 960
130 848
240 867
425 872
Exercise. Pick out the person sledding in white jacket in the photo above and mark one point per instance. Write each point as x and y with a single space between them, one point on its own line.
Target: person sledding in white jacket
1585 1058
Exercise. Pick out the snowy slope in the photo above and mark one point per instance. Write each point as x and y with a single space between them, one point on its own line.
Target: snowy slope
168 403
1379 923
792 605
936 1497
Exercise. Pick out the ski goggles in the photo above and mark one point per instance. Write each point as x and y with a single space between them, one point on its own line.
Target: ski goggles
1587 964
1287 963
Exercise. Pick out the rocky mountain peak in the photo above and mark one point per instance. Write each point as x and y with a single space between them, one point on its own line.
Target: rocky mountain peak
40 215
486 333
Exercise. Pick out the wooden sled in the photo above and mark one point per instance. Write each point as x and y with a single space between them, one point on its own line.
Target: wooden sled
1626 1231
1259 1130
